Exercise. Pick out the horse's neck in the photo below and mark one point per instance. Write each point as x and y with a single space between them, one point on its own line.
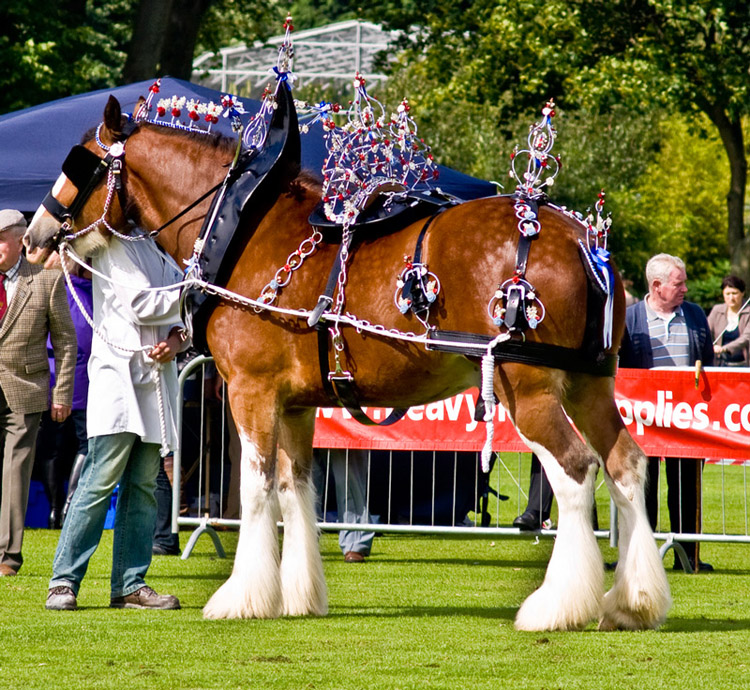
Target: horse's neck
171 173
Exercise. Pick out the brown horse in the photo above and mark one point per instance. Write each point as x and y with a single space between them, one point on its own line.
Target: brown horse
270 364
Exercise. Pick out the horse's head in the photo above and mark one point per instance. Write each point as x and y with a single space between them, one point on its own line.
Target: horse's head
84 201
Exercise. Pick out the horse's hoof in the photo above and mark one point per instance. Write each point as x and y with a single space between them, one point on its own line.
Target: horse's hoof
216 612
307 610
542 612
235 600
607 625
648 616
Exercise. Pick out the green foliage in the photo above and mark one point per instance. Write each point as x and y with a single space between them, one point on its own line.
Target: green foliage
677 204
50 49
229 22
512 56
309 14
478 73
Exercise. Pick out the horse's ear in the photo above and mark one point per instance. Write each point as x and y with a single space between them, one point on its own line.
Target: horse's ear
113 117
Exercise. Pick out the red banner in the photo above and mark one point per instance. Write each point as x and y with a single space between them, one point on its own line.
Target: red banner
664 410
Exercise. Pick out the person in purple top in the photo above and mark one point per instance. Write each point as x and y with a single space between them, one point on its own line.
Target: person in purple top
61 447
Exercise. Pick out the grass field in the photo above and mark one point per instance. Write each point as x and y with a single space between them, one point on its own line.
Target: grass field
423 612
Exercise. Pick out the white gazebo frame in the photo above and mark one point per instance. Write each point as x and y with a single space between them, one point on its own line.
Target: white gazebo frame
328 56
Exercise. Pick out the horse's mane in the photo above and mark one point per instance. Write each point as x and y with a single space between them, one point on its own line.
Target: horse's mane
309 180
305 180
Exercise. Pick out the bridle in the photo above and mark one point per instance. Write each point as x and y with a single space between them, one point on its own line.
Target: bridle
86 170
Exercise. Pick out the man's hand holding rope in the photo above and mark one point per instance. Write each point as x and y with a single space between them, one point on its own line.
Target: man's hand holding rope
166 350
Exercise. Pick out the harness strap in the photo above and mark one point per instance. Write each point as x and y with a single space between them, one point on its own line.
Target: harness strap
55 208
340 387
61 212
515 295
412 284
515 308
203 197
326 299
536 354
524 242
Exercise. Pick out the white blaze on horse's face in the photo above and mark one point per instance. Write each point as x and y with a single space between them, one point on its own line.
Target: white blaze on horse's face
43 227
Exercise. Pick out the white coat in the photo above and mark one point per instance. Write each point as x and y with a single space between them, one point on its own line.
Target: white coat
122 390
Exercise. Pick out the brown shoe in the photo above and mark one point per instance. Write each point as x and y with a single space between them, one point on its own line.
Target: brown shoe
354 557
7 571
145 598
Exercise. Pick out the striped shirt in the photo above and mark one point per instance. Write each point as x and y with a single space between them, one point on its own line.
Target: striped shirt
670 341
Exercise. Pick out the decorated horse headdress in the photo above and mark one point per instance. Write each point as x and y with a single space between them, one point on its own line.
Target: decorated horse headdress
371 153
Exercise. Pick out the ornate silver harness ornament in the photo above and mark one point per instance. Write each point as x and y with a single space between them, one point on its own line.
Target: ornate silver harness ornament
515 304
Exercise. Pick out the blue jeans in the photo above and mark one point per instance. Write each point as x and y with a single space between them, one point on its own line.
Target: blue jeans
115 458
350 478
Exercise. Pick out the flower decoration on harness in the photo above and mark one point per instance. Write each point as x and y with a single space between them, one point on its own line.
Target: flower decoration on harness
254 136
316 112
416 289
371 154
191 115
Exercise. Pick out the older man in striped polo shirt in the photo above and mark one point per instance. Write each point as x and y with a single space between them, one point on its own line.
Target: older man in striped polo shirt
664 330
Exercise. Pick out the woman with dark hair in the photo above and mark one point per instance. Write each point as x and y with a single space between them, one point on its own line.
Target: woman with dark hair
730 325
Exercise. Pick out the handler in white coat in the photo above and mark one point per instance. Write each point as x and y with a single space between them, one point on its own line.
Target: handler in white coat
138 332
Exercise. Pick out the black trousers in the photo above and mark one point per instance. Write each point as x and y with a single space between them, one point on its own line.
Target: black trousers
163 535
540 491
682 497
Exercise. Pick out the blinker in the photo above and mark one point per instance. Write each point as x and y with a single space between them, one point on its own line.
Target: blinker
80 166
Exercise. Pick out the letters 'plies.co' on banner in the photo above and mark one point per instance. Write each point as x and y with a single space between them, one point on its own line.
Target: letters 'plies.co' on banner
664 410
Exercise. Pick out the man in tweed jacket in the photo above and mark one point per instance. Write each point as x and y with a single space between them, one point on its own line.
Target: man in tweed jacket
37 306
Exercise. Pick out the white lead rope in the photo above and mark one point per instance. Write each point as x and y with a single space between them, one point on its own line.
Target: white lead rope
488 398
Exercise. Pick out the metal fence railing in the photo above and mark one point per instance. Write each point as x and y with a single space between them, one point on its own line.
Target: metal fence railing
429 492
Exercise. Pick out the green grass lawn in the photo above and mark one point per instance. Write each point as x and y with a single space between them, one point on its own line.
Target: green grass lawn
423 612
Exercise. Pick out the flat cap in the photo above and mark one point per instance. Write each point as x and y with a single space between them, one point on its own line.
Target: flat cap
10 218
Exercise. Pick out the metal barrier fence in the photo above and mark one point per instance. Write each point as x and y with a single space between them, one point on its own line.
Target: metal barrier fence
410 492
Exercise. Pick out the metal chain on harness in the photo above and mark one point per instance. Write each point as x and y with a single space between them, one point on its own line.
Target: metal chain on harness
283 275
336 337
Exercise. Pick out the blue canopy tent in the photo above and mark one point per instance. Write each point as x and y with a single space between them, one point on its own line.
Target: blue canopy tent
35 141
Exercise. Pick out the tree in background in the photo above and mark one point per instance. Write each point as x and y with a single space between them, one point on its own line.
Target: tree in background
168 33
55 48
51 48
479 67
476 73
693 56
